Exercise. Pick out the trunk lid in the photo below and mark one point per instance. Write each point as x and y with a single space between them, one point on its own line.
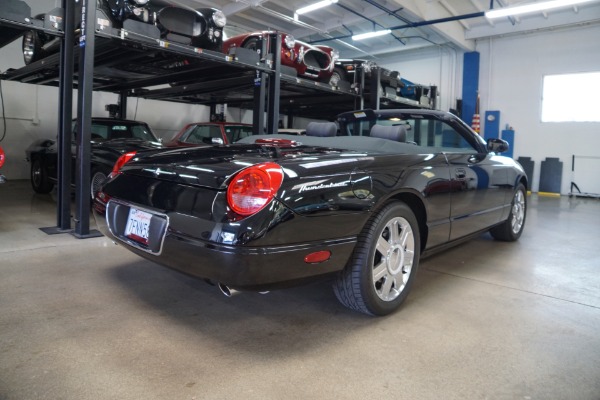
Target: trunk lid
210 167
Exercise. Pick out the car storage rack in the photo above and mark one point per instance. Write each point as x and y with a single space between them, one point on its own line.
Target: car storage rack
135 61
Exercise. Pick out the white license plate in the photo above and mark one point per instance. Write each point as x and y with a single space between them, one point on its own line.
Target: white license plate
138 225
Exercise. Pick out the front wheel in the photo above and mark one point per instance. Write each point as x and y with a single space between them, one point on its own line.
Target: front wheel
511 229
337 76
39 177
380 274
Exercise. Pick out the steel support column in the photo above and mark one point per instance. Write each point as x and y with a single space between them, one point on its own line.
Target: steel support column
123 104
84 118
260 81
274 83
65 129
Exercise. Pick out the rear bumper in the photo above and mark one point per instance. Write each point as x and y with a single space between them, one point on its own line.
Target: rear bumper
239 267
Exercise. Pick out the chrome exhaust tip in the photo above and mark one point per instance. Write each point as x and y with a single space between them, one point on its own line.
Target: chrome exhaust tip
226 290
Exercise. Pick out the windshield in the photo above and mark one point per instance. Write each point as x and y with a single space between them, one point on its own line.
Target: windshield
428 131
237 132
110 130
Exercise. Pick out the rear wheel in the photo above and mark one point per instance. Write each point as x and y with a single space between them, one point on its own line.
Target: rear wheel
381 272
96 181
39 177
511 229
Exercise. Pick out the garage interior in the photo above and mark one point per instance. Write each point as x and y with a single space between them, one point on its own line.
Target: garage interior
84 318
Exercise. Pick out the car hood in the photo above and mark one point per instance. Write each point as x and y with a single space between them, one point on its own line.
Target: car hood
212 166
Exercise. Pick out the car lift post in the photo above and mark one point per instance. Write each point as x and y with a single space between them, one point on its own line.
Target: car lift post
260 80
65 116
84 118
274 83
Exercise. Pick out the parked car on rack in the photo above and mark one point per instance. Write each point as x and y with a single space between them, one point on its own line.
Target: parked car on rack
345 70
202 27
207 133
110 138
2 159
309 61
272 211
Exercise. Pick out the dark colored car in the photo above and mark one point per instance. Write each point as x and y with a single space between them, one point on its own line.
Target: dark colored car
110 139
310 61
345 70
202 27
2 159
272 211
199 133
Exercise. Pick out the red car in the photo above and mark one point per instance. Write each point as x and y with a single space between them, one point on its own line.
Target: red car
199 133
2 157
313 62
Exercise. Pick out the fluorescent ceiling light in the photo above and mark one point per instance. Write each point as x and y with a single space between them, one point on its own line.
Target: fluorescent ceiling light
528 8
371 34
315 6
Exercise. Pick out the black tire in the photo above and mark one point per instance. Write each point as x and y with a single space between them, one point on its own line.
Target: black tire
32 47
39 177
251 44
357 287
96 180
511 229
337 76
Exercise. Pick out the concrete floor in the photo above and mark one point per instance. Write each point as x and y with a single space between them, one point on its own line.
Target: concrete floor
85 319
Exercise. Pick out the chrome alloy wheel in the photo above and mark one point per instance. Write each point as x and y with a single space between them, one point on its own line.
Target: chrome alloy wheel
518 212
393 259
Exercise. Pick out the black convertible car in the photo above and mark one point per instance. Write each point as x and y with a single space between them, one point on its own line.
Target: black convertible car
110 139
361 200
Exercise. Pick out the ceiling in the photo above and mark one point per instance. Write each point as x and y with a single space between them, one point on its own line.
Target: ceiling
335 24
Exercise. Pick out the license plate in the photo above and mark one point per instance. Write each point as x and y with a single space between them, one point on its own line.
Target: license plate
138 225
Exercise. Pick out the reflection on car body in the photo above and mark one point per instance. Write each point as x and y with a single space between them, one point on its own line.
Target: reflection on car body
362 207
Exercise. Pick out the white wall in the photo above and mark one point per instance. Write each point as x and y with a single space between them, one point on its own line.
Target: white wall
511 72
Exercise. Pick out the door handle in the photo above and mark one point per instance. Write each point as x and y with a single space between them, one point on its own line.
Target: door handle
461 173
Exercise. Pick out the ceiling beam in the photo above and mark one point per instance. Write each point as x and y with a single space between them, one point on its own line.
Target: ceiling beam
430 10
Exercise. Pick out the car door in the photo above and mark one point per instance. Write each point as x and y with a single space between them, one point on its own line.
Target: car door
479 182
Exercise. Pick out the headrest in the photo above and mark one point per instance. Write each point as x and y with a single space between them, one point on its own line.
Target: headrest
396 133
323 129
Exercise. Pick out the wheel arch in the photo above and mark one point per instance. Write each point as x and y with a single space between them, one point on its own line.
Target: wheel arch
417 206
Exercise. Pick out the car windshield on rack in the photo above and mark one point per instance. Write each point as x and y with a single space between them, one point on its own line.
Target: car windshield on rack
111 130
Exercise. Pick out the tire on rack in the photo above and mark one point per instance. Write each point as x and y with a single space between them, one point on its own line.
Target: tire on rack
33 42
381 271
97 179
337 76
511 229
39 177
251 44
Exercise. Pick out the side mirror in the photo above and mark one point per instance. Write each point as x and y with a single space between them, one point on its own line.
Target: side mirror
216 140
497 145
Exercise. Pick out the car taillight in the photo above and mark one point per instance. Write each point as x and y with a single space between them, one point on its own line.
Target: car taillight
251 189
124 159
1 157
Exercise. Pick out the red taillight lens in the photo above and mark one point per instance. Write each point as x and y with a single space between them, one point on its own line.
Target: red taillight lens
253 188
2 156
124 159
